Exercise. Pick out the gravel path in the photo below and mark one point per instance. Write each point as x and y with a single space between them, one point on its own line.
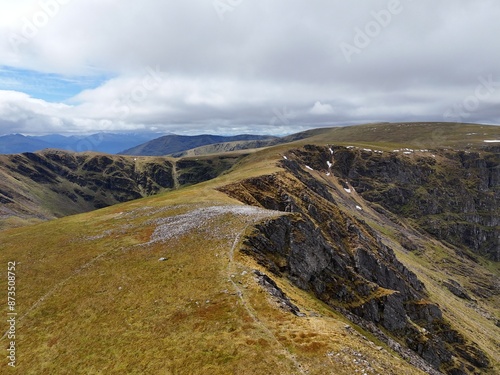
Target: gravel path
199 220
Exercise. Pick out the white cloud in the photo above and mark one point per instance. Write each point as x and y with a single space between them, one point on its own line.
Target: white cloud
321 109
233 74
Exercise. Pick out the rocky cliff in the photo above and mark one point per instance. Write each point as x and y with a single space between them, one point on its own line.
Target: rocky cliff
339 258
53 183
453 195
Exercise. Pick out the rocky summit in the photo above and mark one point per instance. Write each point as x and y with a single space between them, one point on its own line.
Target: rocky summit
326 254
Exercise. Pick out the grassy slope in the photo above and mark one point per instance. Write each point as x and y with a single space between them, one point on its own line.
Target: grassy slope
45 200
388 136
91 301
226 148
412 135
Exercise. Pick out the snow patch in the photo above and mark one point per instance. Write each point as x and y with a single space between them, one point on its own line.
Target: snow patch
348 190
359 208
308 167
284 157
491 140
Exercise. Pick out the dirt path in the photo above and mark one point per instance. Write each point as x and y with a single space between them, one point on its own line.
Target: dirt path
231 270
175 174
172 226
60 285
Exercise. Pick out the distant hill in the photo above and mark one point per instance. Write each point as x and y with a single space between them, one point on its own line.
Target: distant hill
17 143
110 143
171 144
141 144
218 148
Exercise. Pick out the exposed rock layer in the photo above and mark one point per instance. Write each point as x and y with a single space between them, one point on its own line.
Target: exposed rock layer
454 195
341 260
56 183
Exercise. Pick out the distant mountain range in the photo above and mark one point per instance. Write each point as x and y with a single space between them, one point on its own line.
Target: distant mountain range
172 144
140 144
110 143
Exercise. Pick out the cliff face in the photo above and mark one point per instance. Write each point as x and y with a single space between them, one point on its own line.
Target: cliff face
56 183
452 195
341 260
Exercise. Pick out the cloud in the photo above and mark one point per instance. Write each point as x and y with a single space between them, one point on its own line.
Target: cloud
321 109
233 71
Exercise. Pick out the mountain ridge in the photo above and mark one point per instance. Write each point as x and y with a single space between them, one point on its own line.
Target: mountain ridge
172 144
55 183
293 259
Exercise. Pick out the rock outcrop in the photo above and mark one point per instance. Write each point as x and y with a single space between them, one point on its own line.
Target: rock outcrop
453 195
55 183
342 261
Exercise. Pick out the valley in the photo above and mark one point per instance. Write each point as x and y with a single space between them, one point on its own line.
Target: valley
54 183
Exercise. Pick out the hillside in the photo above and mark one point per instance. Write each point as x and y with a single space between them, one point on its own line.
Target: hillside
310 257
430 135
234 146
174 144
54 183
225 147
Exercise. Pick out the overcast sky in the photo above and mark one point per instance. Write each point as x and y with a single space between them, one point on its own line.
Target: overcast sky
245 66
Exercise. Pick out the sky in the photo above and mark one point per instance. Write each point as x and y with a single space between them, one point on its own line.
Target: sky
244 66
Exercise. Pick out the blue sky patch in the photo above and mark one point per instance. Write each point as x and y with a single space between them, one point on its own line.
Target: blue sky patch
46 86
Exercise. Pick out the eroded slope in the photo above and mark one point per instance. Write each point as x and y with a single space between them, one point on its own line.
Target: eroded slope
52 183
326 248
158 286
